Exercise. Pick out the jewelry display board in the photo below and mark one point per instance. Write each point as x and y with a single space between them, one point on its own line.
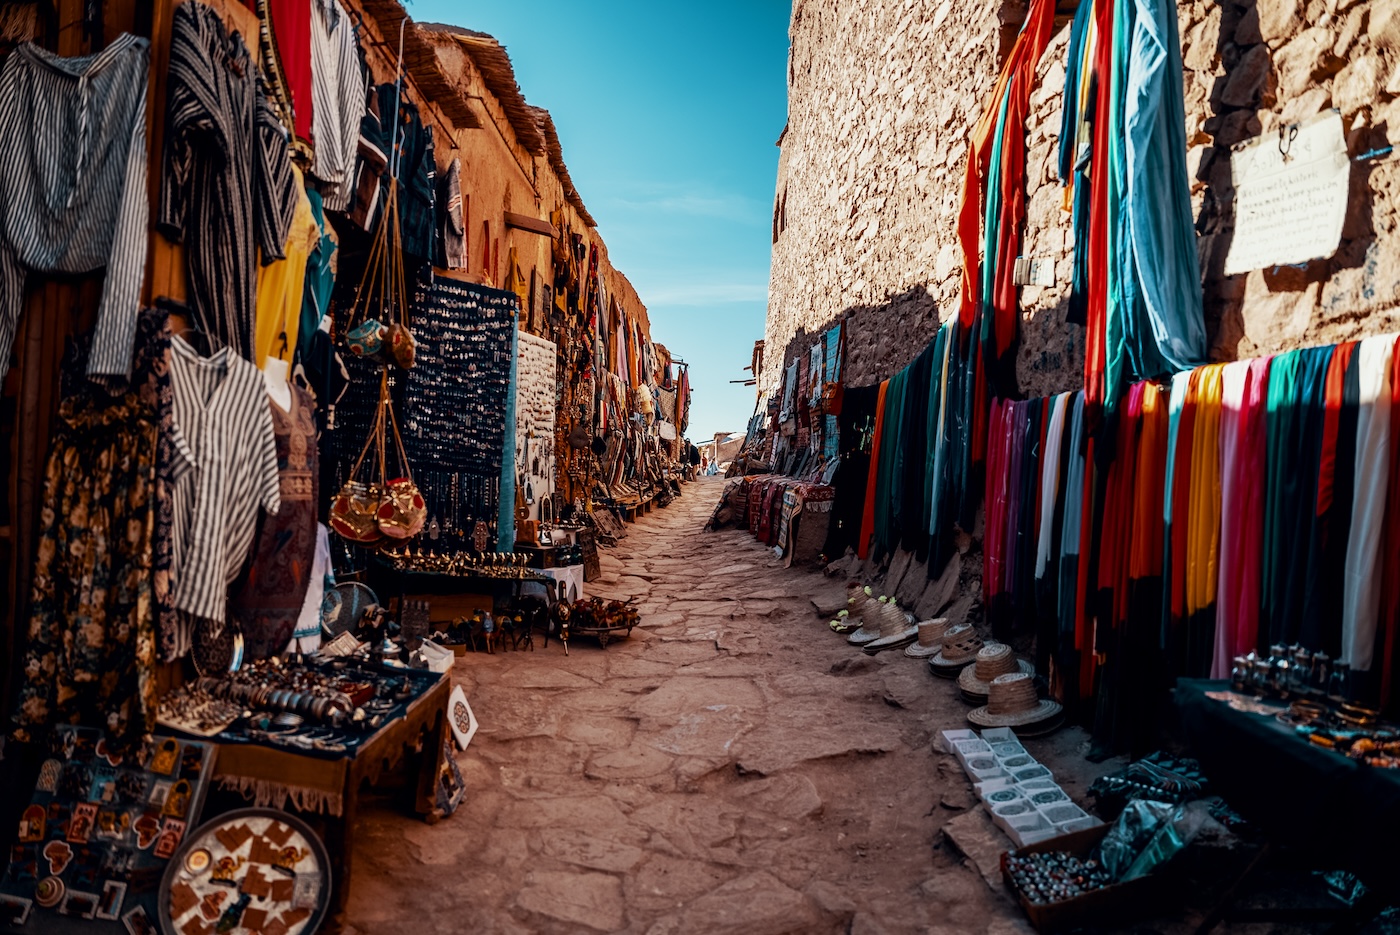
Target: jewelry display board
99 832
535 392
453 406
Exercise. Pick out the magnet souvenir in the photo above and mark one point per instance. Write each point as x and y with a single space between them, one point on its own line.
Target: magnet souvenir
147 828
49 891
58 854
170 834
31 825
109 907
177 803
49 775
166 758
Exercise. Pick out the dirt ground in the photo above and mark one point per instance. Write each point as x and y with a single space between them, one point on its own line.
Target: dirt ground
732 767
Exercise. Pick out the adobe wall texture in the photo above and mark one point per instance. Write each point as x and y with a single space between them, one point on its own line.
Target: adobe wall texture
883 94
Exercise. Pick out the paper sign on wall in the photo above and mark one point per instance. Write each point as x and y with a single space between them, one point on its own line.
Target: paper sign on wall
1290 195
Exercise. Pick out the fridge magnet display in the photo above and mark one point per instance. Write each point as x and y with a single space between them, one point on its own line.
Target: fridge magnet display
81 905
14 910
110 905
139 922
91 845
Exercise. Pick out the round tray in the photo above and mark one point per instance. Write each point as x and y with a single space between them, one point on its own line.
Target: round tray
256 834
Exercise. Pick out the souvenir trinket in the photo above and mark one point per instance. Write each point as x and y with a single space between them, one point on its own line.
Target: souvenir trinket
49 891
58 854
31 825
80 825
197 861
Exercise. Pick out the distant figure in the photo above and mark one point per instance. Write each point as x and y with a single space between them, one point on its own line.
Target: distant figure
712 470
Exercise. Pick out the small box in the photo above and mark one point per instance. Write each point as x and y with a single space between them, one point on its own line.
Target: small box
1029 772
1046 798
1007 748
948 739
1103 907
1001 795
982 767
1018 761
968 750
1035 785
999 735
1067 817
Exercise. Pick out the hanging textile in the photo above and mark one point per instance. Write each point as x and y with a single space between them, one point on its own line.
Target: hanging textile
857 425
73 184
993 206
227 190
100 581
867 520
338 94
1136 281
1362 582
269 598
1295 425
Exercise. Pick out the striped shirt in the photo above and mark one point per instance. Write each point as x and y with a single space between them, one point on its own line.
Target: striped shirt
338 101
223 431
73 184
227 188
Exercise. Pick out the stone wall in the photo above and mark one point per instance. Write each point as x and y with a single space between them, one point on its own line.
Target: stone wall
883 93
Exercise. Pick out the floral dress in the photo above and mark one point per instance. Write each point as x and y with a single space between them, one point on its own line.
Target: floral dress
93 599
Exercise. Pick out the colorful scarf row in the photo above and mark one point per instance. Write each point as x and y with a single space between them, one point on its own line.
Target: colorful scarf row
1239 506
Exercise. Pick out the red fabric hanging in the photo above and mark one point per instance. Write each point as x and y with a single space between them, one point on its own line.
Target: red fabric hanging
1332 417
867 518
1019 72
1181 499
291 31
1095 346
1115 535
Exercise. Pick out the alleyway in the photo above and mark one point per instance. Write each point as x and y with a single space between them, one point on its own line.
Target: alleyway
733 767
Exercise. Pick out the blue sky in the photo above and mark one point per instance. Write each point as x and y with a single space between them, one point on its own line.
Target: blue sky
668 114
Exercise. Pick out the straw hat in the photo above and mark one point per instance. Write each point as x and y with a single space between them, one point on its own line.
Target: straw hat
960 646
857 604
896 630
930 638
992 660
871 623
1012 702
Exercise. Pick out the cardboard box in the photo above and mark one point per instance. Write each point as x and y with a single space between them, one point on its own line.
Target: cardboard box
1101 907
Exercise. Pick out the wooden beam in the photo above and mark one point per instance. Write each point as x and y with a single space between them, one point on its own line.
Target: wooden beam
533 225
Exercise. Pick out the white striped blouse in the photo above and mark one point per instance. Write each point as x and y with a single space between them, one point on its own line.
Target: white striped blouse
337 101
223 429
73 184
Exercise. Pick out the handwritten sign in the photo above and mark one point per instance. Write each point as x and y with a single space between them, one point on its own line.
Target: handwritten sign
1290 195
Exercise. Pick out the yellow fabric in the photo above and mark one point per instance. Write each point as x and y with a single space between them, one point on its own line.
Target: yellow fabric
281 283
1203 523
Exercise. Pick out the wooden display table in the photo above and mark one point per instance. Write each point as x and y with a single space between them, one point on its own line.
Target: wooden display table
315 785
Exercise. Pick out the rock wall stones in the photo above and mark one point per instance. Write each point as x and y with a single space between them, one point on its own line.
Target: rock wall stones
882 96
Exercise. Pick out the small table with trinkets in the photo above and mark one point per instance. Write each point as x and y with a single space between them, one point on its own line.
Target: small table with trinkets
317 733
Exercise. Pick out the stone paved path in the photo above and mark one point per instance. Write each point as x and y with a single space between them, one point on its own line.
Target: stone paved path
733 767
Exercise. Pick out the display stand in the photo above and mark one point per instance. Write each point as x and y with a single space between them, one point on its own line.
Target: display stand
1340 813
331 787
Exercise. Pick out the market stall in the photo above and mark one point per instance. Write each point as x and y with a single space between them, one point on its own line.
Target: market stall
309 373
